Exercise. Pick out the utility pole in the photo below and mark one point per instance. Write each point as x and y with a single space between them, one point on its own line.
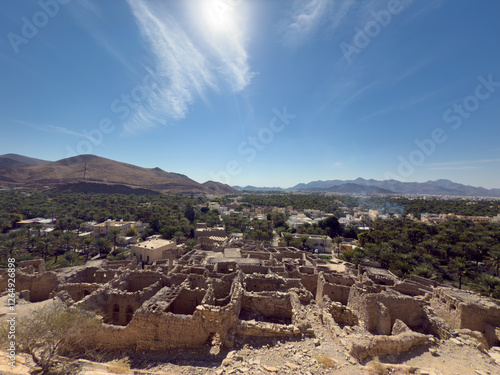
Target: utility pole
85 173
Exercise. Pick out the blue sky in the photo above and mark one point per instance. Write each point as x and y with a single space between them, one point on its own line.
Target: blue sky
259 92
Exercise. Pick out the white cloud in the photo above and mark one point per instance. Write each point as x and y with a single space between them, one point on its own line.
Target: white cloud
182 71
51 129
304 20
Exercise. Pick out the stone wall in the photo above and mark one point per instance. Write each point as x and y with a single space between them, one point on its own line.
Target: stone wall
40 285
378 311
270 306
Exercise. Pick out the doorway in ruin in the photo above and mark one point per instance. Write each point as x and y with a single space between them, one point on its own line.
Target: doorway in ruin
129 313
116 313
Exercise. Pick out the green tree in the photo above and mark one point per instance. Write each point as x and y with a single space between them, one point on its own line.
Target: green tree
461 268
10 246
113 234
132 232
288 237
67 240
49 331
331 225
44 246
493 259
103 245
305 244
488 285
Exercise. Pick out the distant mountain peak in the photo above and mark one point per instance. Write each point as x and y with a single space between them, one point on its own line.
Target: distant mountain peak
438 187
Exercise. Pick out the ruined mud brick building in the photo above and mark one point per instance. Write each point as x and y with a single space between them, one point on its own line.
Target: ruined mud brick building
245 289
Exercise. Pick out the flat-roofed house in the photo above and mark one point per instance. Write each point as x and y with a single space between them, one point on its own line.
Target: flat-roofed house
153 250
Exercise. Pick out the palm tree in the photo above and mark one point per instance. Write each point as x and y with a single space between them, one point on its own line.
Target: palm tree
10 245
103 245
87 244
493 260
304 242
461 268
113 234
288 238
488 285
38 228
44 246
67 240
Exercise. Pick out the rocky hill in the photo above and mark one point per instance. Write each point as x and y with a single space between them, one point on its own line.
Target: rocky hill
218 188
31 173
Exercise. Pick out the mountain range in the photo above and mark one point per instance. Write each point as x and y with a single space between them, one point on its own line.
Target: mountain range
375 187
90 173
360 185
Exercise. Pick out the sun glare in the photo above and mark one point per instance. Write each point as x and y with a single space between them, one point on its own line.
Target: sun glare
219 15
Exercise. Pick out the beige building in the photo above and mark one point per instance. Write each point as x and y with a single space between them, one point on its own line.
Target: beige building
102 229
202 231
153 250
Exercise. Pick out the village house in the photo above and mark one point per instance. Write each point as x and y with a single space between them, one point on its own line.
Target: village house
153 250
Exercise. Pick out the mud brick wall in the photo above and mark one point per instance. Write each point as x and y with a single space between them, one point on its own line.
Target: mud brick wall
91 275
310 282
404 308
77 291
39 285
336 288
262 284
410 288
161 330
336 293
261 329
480 318
270 305
139 280
250 268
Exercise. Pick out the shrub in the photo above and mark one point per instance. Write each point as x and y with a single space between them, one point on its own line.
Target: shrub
51 330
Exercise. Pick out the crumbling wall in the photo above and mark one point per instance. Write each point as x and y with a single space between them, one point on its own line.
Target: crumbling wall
310 282
91 275
264 284
40 285
186 301
267 306
135 281
378 311
338 292
118 306
411 288
462 309
152 328
77 291
363 347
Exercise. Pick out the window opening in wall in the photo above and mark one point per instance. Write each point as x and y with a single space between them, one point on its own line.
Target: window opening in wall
116 313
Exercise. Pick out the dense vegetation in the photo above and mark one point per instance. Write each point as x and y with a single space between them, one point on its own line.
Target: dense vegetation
332 204
174 217
456 251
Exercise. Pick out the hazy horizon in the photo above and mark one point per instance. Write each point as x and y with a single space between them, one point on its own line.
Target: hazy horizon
252 92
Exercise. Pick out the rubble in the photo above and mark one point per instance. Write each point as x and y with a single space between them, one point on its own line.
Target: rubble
240 291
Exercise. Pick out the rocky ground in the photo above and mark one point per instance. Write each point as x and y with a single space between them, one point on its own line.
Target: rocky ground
327 352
